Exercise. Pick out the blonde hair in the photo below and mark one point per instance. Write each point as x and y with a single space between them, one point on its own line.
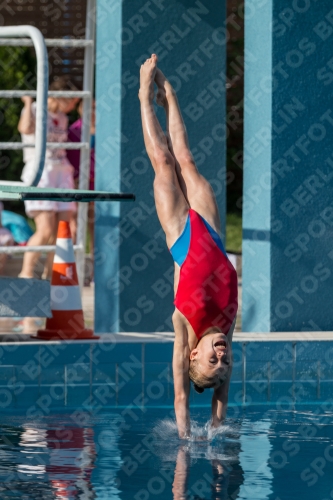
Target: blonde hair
200 381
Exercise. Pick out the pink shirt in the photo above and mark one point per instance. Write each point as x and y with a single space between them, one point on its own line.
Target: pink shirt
73 155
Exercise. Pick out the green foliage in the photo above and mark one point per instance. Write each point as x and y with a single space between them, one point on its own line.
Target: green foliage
234 233
17 71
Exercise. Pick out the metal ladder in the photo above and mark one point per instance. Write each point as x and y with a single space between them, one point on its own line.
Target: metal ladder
14 36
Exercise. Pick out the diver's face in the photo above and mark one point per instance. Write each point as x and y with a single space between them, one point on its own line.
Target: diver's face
213 355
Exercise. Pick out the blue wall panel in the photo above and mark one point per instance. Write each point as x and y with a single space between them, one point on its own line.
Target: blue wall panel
257 172
108 156
292 127
303 111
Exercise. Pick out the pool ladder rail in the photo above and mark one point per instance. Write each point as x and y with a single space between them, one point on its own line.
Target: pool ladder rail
31 36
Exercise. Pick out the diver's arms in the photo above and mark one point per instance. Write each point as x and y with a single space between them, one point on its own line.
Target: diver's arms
220 396
220 402
181 379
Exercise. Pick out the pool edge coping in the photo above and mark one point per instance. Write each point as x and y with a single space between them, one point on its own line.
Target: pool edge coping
167 337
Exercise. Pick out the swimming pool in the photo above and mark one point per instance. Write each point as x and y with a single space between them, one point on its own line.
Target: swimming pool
95 420
261 453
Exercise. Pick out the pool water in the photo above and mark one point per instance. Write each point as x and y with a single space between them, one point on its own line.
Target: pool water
134 453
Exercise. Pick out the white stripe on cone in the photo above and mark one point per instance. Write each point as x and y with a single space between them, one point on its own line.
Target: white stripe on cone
65 298
64 252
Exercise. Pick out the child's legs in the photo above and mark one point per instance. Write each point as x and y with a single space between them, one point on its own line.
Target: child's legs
91 222
45 228
62 177
73 225
6 240
64 215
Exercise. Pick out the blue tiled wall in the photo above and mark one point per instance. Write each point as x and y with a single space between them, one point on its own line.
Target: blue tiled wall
43 377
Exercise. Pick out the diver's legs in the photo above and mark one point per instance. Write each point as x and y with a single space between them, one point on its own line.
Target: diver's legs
171 205
196 188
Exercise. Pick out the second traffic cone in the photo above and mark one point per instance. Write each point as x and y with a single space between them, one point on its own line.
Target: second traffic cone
67 320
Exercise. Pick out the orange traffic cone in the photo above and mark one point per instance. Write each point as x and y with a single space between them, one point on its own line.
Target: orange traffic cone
67 320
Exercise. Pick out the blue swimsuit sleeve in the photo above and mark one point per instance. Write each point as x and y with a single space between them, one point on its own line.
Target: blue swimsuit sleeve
180 248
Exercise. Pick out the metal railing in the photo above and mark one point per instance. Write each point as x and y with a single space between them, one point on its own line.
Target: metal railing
41 93
8 94
49 42
36 248
14 36
50 145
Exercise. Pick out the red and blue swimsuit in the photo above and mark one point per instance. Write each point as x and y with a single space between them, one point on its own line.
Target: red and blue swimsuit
207 290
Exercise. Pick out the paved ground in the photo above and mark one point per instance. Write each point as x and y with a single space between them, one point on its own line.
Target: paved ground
30 325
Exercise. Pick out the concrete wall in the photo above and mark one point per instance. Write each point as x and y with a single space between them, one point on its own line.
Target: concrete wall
134 270
288 168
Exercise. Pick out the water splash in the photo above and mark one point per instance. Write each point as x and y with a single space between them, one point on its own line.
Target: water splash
205 442
166 429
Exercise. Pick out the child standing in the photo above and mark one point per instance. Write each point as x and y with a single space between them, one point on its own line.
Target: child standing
57 173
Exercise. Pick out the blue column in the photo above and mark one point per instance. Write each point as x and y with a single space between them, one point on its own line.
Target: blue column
288 167
134 270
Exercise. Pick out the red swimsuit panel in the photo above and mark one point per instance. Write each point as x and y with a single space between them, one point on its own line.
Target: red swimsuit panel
207 293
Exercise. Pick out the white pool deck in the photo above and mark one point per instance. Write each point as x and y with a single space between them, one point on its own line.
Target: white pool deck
166 337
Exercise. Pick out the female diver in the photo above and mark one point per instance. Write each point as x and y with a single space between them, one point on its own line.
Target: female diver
205 282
